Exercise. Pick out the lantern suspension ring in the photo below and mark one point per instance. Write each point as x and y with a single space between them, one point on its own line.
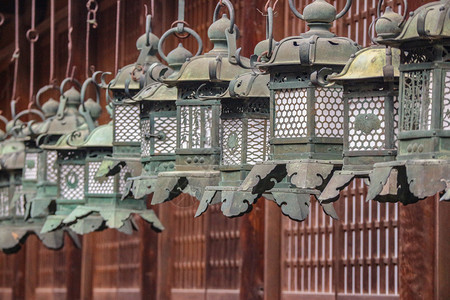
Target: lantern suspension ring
230 8
82 109
43 90
174 31
63 99
338 16
23 113
405 11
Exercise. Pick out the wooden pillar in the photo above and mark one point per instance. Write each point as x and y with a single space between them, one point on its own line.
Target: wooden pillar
424 250
272 251
164 265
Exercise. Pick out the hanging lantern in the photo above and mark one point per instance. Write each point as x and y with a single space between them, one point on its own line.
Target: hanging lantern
18 225
158 123
422 167
127 133
102 206
70 163
307 120
201 82
370 81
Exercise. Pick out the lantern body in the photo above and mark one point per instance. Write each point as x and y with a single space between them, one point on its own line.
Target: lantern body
306 115
201 83
422 167
244 140
158 123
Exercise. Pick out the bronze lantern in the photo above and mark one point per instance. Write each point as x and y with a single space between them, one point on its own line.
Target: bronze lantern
201 83
370 81
306 113
422 166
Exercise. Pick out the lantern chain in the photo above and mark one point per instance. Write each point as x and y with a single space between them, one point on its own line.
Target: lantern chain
116 58
52 42
15 56
32 36
92 8
69 38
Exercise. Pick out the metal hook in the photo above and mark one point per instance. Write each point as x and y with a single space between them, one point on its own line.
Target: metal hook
43 90
172 31
338 16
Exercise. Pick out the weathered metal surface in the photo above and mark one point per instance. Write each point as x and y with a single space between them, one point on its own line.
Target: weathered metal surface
336 184
293 203
114 217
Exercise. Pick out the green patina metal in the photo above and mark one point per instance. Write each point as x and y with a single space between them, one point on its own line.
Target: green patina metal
306 114
202 83
15 221
370 80
422 167
158 122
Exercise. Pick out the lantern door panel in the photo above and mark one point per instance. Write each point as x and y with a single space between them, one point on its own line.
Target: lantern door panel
163 124
102 186
31 166
329 113
291 113
446 104
19 198
196 125
4 202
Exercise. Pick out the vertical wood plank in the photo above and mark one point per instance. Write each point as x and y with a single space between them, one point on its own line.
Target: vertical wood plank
272 251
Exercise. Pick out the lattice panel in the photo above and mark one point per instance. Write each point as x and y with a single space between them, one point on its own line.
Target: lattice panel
126 123
52 170
329 113
189 246
145 143
231 132
196 126
4 202
307 251
291 113
72 182
20 202
31 166
258 140
446 108
416 102
366 124
168 127
224 266
369 244
104 186
124 174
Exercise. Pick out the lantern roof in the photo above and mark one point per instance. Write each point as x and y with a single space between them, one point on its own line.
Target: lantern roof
12 154
100 137
215 65
429 22
318 46
249 85
367 64
70 141
157 92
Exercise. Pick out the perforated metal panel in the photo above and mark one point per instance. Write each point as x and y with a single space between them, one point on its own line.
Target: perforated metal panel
196 126
446 108
52 170
291 113
145 143
126 123
329 115
231 132
20 202
31 166
72 182
4 201
124 174
416 101
371 134
104 186
168 127
258 140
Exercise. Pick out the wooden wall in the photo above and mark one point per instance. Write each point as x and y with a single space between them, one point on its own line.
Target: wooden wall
375 251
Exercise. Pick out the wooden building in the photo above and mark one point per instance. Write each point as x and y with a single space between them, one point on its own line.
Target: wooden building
375 251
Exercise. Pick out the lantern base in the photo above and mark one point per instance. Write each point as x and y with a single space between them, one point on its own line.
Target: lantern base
303 174
409 181
111 166
139 187
170 185
117 218
339 181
